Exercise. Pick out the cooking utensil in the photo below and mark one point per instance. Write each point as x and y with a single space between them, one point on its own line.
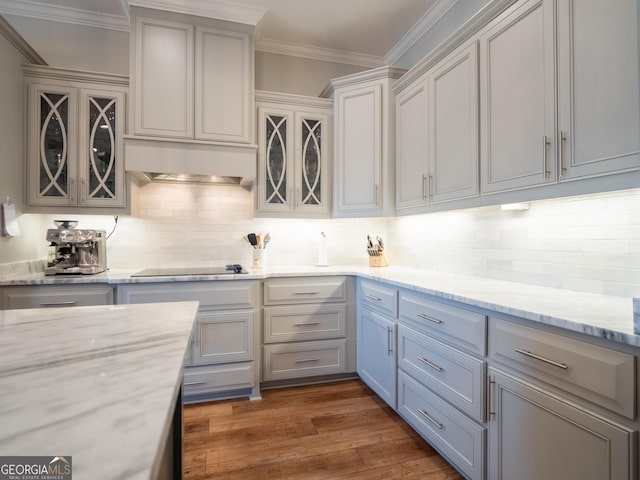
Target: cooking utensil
267 239
252 239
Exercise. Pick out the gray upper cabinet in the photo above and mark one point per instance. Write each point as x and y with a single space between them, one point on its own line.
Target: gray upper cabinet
294 174
599 106
517 103
75 130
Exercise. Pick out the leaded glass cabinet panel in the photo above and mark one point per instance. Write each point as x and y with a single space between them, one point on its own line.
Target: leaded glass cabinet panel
293 155
52 123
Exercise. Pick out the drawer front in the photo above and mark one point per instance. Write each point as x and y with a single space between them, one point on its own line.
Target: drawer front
457 326
455 376
198 380
379 298
456 436
299 360
216 295
304 322
296 290
55 296
223 337
597 374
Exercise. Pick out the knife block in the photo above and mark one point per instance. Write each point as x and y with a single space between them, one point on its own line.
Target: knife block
378 260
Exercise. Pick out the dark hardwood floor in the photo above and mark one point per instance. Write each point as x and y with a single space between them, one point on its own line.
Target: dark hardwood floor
337 430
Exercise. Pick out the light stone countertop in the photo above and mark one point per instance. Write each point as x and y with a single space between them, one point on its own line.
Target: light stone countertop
604 316
95 383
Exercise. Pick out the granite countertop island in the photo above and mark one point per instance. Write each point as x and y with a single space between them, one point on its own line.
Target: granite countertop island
603 316
99 384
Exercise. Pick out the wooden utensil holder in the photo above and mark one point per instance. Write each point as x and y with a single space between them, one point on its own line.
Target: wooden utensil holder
378 260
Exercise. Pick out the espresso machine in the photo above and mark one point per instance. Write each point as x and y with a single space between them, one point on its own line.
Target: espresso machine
75 251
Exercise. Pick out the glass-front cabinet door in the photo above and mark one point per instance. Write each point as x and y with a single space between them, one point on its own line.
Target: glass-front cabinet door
101 168
52 126
311 162
293 166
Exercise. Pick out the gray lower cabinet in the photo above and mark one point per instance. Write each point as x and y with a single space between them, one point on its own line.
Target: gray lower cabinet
535 435
221 361
309 328
377 338
48 296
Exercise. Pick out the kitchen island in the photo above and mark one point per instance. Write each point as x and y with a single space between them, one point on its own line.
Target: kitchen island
99 384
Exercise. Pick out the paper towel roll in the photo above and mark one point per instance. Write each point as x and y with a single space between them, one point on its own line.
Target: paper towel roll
10 226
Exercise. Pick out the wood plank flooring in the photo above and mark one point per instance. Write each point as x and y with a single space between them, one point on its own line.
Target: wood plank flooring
337 430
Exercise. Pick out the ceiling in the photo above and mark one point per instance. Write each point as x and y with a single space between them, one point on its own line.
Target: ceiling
361 32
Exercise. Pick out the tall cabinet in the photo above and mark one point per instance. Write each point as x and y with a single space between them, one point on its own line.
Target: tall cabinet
364 142
75 130
294 157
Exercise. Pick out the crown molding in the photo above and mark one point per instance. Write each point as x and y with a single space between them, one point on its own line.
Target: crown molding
218 9
421 27
288 99
42 11
316 53
21 45
65 74
380 73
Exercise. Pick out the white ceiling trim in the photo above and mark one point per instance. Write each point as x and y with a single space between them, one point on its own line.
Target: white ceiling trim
318 53
422 26
21 45
221 10
34 9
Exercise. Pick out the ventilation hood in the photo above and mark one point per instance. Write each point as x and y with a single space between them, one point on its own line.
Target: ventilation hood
170 160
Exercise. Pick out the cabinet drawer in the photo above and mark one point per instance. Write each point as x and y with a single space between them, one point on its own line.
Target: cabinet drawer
460 439
305 290
378 297
223 337
597 374
55 296
298 360
215 378
216 295
455 376
304 322
457 326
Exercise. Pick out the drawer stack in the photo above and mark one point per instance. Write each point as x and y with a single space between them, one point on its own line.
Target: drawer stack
307 332
441 380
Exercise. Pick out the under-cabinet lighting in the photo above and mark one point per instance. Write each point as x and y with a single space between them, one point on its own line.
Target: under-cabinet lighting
515 206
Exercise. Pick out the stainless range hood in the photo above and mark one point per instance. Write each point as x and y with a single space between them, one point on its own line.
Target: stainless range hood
172 160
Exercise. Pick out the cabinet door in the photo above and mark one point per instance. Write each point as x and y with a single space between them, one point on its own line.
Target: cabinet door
535 435
51 296
376 354
599 106
311 162
412 167
517 104
358 138
275 162
52 145
163 86
223 337
223 86
453 127
101 161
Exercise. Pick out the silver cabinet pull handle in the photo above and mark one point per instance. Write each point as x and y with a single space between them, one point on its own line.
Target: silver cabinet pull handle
306 293
429 363
202 382
529 354
431 419
431 319
424 186
389 340
306 360
305 324
430 185
58 304
545 167
563 140
72 190
372 297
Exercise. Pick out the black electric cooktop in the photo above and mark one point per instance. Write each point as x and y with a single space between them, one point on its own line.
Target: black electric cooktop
183 271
